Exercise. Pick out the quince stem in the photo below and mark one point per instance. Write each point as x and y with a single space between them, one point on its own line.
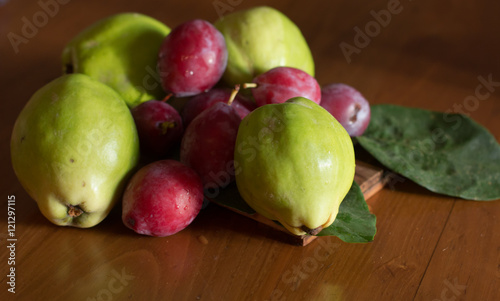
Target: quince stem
74 211
314 231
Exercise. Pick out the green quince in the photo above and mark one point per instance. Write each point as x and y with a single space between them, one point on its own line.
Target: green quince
73 146
122 52
294 163
259 39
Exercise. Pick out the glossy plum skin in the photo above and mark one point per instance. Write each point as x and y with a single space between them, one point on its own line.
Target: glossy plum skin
203 101
159 126
162 198
208 145
279 84
348 106
192 58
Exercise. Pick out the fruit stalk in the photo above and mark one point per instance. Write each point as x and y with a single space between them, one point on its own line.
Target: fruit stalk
234 92
249 85
74 211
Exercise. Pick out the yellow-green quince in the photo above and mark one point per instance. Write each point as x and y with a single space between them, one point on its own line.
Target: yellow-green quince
73 147
294 164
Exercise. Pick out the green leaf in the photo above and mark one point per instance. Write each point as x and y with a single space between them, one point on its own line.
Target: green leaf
354 222
446 153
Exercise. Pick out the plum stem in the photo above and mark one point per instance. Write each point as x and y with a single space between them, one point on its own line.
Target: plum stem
354 116
167 97
164 126
249 85
233 94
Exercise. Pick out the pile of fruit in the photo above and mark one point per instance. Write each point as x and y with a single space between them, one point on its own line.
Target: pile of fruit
252 113
105 130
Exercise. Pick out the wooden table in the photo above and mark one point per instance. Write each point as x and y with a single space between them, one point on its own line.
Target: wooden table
425 54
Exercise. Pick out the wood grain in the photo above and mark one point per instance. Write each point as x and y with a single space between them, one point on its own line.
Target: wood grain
430 54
